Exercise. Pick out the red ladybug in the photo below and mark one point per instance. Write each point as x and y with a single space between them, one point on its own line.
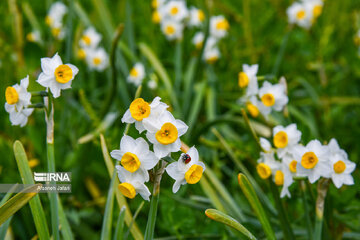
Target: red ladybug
186 158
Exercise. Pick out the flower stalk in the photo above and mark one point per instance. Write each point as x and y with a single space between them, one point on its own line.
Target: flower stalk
322 189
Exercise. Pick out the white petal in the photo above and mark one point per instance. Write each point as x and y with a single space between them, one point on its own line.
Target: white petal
174 172
45 80
194 154
116 154
162 150
127 118
74 69
149 160
143 191
139 126
181 127
127 144
177 185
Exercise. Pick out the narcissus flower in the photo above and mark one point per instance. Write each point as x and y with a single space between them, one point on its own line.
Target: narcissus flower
267 164
273 97
33 36
90 39
55 14
197 17
164 132
247 78
175 10
134 156
313 160
97 59
132 184
341 166
198 40
141 111
56 75
219 26
188 169
172 29
17 100
286 138
288 169
137 74
299 14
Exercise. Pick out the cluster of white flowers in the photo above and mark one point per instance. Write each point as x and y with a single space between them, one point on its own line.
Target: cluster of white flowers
89 50
264 100
34 36
305 12
294 160
54 76
163 131
54 19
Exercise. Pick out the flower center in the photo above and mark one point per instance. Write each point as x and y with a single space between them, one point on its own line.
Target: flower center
55 31
263 170
300 14
292 166
130 162
339 166
127 190
134 72
48 20
253 110
96 60
169 30
174 11
309 160
86 39
212 59
11 95
201 15
281 139
167 134
317 11
268 99
156 18
154 3
279 178
243 79
30 37
222 25
194 174
81 53
139 109
63 73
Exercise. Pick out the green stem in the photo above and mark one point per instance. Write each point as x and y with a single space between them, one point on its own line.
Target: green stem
281 52
322 188
36 105
284 221
253 133
178 65
306 209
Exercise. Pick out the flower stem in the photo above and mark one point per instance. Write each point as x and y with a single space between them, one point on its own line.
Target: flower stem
40 93
306 209
36 105
253 133
322 188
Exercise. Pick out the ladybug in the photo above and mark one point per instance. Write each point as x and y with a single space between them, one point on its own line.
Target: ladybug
186 158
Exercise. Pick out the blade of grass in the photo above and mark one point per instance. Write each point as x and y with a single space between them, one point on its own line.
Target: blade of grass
178 65
251 196
104 16
107 220
134 219
135 231
306 209
11 206
221 217
188 83
4 227
120 224
196 105
35 204
65 226
160 70
129 26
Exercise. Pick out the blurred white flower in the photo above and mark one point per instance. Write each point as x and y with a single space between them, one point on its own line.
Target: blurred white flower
135 156
219 26
197 17
90 39
97 59
175 10
17 100
198 39
132 184
273 97
55 14
172 29
298 13
152 84
266 163
285 139
247 78
137 74
211 51
33 36
56 75
188 169
164 131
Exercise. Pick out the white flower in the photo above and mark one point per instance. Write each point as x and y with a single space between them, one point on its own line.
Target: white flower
313 160
56 75
90 38
298 13
198 39
164 132
219 26
175 10
141 111
197 17
267 164
132 184
247 78
172 29
284 176
211 51
341 166
135 156
314 8
188 169
56 13
152 84
17 99
97 59
58 31
273 97
157 3
137 74
286 138
34 36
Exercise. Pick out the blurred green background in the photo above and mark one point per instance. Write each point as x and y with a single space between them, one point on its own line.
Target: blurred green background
323 75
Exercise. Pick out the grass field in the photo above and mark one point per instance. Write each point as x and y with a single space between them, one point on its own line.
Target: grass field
321 70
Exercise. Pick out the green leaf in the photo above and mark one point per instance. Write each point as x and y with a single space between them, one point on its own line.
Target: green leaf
251 196
17 202
218 216
107 221
65 226
119 230
35 204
